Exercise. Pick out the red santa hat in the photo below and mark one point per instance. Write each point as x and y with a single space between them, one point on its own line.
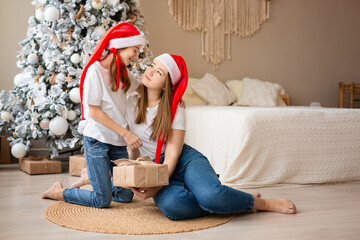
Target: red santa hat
119 36
176 67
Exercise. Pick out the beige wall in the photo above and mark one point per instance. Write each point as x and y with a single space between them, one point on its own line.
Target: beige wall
307 46
14 17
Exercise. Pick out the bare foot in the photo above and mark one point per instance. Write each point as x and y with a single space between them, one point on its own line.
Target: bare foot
258 195
84 180
275 205
55 192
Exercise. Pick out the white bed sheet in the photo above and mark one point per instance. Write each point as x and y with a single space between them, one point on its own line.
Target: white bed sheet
256 147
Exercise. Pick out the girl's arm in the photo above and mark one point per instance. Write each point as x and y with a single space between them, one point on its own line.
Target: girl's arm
98 115
173 149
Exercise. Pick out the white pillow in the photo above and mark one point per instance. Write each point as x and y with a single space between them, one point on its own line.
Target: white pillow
190 97
235 86
213 91
280 102
258 93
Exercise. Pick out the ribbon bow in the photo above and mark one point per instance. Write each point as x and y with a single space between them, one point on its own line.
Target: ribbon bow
139 161
139 173
37 158
119 64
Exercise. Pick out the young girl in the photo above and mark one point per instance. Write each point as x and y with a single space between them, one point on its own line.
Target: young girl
194 189
103 87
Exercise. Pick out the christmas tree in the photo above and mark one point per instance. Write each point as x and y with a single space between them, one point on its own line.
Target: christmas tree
45 102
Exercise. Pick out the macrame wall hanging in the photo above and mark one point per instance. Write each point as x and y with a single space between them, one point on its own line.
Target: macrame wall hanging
217 20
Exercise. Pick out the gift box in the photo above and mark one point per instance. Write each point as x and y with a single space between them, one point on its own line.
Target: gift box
39 165
76 164
139 173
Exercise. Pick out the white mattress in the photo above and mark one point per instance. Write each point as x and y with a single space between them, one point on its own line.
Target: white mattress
257 147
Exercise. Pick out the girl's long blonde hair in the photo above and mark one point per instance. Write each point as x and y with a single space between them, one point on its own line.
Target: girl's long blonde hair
161 125
122 75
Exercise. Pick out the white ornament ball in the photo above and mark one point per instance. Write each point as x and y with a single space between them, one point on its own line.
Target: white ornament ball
42 1
39 14
32 59
74 95
60 78
97 4
58 126
75 58
51 14
5 115
18 150
21 79
71 115
44 124
18 79
99 30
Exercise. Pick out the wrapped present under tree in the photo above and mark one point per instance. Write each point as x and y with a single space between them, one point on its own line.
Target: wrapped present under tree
76 164
39 165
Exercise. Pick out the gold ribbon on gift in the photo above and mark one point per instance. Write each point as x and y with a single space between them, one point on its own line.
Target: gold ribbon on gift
139 161
34 158
145 176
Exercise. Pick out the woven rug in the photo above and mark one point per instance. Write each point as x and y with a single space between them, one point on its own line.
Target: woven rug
137 217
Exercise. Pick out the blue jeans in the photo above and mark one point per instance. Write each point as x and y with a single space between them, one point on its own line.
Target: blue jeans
98 157
195 191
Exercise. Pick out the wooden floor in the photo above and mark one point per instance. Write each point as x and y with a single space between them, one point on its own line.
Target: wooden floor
330 211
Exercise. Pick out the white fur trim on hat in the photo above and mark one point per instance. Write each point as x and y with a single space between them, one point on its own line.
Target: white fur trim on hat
171 66
126 42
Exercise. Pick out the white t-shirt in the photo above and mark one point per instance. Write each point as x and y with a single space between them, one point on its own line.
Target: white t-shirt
97 91
143 131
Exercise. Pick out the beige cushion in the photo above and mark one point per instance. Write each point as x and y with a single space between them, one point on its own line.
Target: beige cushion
280 100
213 91
235 86
258 93
190 97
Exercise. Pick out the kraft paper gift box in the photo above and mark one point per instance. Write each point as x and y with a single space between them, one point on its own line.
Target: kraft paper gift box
139 173
39 165
76 164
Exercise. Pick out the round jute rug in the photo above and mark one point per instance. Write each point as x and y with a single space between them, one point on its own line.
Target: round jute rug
137 217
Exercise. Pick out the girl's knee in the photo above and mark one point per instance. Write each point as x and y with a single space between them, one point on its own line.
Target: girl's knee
122 195
102 201
169 207
209 200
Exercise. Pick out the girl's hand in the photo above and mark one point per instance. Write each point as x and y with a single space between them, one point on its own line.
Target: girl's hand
133 153
132 140
145 193
182 104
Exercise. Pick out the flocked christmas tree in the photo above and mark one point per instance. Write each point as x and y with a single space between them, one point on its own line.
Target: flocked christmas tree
45 102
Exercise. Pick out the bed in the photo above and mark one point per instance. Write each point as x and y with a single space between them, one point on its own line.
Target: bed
251 147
